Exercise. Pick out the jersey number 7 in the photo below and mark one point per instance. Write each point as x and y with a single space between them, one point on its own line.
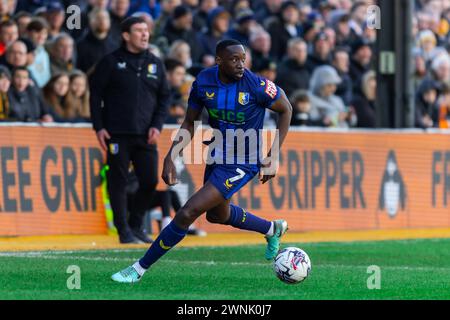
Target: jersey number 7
229 181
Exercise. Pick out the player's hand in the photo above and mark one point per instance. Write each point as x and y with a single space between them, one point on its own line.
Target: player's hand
169 173
153 135
102 136
268 170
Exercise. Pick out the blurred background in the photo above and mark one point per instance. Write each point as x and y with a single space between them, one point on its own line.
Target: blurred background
343 63
369 82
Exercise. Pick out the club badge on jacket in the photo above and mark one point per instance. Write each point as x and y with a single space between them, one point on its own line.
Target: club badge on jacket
152 69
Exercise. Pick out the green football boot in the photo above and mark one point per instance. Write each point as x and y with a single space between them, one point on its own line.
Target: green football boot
127 275
273 242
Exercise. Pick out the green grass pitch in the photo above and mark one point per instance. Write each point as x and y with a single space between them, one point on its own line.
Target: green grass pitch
410 269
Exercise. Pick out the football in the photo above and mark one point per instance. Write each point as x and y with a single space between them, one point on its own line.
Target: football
292 265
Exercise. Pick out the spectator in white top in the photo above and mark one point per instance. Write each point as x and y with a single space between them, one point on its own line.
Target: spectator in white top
440 68
37 31
427 46
325 105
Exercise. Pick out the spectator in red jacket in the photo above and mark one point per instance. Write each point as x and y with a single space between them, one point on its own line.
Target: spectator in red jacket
9 32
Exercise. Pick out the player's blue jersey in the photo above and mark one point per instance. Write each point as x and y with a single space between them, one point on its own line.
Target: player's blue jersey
238 105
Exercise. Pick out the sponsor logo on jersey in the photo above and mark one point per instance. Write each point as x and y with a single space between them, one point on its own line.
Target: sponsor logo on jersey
271 89
121 65
227 115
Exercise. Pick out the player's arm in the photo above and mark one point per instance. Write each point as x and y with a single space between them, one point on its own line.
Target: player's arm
284 109
185 133
184 136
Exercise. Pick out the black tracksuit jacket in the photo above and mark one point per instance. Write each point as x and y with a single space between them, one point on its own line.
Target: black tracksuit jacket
129 93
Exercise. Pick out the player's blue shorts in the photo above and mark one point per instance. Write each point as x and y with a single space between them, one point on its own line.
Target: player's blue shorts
229 178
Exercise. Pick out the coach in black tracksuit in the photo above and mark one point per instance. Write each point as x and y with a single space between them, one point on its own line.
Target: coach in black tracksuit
129 99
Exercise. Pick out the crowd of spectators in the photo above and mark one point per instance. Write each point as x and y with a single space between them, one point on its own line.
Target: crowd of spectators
321 52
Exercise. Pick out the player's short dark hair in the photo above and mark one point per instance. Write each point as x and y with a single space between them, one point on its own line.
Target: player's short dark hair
172 64
222 45
126 24
37 24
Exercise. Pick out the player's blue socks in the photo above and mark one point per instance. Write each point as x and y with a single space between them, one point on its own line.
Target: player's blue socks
167 239
241 219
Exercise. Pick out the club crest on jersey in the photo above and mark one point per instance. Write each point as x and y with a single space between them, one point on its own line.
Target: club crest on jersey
244 98
152 68
271 89
121 65
210 96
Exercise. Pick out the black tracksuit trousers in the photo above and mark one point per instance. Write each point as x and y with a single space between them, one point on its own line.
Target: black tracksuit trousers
121 150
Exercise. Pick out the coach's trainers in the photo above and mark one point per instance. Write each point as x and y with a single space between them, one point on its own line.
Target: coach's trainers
273 242
127 275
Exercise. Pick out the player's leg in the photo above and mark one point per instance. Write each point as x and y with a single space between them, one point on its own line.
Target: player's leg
235 216
203 200
273 230
176 205
236 177
145 162
230 214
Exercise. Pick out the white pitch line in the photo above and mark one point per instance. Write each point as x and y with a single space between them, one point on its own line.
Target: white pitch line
309 244
42 255
58 256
